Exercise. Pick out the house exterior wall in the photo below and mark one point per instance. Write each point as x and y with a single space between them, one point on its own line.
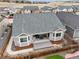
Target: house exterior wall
73 33
70 10
16 41
70 31
22 12
54 11
51 37
21 44
77 13
36 11
17 11
76 34
29 11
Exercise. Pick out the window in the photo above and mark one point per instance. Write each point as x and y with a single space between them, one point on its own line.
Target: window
28 38
58 34
53 34
23 39
41 36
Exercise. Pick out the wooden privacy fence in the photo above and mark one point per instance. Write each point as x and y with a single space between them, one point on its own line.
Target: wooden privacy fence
5 42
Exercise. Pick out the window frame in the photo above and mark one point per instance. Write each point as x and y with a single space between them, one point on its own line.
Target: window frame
23 37
58 34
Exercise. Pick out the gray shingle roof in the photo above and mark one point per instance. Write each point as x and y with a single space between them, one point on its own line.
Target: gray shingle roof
35 23
65 7
76 7
47 8
70 20
30 8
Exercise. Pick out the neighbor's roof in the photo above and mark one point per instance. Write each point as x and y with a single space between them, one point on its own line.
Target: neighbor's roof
76 7
47 8
70 20
65 7
30 8
35 23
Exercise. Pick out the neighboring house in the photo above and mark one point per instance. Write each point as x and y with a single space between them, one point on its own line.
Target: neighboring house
30 28
71 22
47 9
2 11
21 1
18 10
77 9
30 9
12 10
65 9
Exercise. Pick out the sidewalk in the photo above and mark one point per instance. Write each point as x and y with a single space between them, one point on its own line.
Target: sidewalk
15 53
73 55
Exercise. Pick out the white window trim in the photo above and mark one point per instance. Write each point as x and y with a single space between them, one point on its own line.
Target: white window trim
22 43
62 34
54 37
23 37
51 35
59 32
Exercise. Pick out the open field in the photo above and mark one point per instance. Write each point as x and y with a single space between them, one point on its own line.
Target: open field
5 4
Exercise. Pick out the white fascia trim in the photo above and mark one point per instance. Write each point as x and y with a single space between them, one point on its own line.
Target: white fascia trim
62 28
21 34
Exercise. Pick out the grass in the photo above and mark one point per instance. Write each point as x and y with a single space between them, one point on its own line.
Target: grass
55 57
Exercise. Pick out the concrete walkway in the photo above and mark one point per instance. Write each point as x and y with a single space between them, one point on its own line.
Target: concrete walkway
70 56
15 53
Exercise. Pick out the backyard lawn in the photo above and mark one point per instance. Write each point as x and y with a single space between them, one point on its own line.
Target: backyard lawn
54 57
